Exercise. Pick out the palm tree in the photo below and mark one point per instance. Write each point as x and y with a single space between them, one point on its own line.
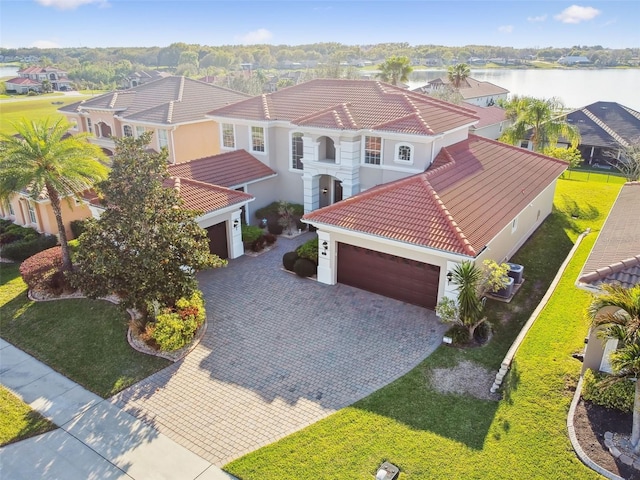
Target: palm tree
42 158
395 69
543 118
458 74
621 321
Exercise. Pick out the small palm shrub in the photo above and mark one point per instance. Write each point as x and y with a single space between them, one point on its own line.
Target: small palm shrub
305 267
289 260
174 328
618 395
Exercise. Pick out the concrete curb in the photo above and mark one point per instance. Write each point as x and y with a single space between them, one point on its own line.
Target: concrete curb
506 363
574 440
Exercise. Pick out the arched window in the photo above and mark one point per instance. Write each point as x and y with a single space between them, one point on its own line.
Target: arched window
404 153
297 146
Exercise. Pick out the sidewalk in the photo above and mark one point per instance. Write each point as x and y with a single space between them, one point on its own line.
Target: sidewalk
96 440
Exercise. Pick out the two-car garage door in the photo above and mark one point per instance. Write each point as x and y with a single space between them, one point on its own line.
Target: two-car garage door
396 277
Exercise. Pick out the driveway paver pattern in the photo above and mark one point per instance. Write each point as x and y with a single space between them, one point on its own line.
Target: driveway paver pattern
279 354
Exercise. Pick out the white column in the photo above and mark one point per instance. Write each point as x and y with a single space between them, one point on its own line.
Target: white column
326 259
234 229
311 192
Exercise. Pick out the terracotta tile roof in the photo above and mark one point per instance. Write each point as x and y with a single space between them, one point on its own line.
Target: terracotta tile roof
33 70
487 115
470 88
226 169
170 100
22 81
473 190
615 257
352 105
205 197
606 124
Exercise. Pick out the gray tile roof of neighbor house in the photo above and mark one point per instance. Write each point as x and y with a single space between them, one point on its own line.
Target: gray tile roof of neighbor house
606 124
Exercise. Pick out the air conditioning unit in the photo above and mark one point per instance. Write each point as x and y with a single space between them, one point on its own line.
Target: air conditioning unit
515 271
507 291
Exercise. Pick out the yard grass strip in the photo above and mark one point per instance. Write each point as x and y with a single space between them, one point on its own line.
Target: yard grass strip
430 435
83 339
18 421
12 111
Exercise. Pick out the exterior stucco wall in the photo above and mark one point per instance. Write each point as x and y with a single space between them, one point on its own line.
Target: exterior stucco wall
492 132
265 192
194 140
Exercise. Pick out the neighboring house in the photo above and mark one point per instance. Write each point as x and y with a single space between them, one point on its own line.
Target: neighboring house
614 259
573 60
173 108
605 129
31 78
482 94
492 121
398 189
142 77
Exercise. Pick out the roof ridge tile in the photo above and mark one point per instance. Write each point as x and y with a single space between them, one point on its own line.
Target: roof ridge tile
265 107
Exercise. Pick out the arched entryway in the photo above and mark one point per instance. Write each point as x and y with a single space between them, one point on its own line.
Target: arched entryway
330 190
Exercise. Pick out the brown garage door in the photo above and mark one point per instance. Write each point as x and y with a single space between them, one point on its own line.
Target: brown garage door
388 275
218 240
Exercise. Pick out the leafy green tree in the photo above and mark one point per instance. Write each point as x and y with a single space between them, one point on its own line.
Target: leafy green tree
46 86
395 69
458 74
616 312
146 246
542 118
628 162
570 155
42 157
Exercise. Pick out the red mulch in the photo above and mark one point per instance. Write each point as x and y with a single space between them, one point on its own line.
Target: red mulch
591 422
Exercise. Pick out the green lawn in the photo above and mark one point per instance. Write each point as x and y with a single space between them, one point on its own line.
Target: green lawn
431 435
18 421
33 108
83 339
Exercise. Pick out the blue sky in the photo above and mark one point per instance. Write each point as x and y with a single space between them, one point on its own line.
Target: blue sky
120 23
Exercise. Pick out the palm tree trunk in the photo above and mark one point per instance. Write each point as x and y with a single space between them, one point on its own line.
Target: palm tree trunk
57 211
635 429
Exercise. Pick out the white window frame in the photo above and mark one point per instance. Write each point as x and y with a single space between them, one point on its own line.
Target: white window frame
514 225
291 159
397 153
32 213
163 138
264 139
364 150
125 129
139 131
233 136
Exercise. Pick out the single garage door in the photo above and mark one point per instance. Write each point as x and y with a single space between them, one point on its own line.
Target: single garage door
218 239
396 277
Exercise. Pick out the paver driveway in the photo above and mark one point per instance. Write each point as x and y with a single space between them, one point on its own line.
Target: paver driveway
280 353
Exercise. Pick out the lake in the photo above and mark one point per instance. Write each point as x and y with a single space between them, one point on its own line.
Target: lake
576 88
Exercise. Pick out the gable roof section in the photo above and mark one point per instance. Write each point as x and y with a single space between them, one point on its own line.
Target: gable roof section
469 89
22 81
487 115
606 124
226 169
352 105
169 100
205 197
473 190
615 257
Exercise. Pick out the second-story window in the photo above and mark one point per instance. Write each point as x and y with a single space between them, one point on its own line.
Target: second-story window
162 138
404 153
372 150
296 150
139 131
257 139
127 131
228 136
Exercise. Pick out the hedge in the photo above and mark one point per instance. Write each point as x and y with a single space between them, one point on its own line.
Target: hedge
27 247
618 395
37 270
309 250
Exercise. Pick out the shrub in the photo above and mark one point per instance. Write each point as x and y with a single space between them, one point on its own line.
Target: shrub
258 245
77 227
274 227
251 233
309 250
618 395
482 333
288 260
270 238
37 270
12 233
27 247
459 335
175 328
270 210
300 225
304 267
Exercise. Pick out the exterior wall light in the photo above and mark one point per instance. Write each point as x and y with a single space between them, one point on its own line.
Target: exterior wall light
449 276
387 471
236 222
324 191
325 247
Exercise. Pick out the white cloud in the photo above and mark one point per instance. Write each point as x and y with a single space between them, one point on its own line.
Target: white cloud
71 4
577 14
539 18
45 44
262 35
505 28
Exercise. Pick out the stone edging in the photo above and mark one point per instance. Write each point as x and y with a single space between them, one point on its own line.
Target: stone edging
574 440
133 342
508 358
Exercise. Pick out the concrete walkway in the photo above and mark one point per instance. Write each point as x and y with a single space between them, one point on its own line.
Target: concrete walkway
96 440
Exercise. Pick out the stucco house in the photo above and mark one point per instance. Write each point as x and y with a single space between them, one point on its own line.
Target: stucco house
614 259
397 187
482 94
492 121
173 108
31 78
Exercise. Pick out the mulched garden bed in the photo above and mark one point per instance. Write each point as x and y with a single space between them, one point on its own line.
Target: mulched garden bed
591 422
